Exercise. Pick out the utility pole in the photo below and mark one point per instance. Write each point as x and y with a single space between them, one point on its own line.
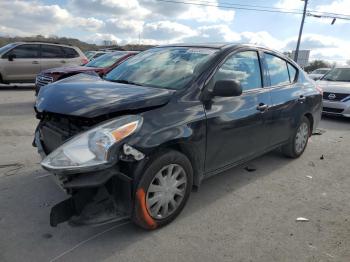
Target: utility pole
300 32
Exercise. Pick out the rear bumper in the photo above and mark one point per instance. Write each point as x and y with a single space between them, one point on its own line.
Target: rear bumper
336 108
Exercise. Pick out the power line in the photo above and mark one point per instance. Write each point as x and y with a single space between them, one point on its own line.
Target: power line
229 6
259 8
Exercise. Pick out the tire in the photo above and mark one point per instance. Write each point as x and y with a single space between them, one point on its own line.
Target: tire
155 187
298 142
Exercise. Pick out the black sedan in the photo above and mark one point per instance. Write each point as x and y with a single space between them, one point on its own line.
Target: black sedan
134 144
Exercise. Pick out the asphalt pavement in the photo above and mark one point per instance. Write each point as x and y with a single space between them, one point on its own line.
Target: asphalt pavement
235 216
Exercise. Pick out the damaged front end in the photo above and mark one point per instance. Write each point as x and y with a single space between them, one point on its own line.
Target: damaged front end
93 167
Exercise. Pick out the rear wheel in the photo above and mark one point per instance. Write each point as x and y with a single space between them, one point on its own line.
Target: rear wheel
297 144
163 190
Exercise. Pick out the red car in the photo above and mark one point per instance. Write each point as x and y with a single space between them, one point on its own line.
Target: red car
101 65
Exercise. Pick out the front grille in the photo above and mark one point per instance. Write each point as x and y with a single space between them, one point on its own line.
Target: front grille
334 96
42 80
332 110
55 129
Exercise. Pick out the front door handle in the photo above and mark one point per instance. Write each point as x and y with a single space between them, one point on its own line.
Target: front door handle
262 107
63 61
301 98
35 62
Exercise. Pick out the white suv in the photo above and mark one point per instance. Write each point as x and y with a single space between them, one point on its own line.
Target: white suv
20 62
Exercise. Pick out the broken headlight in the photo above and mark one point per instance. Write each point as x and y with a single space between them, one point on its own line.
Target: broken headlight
92 147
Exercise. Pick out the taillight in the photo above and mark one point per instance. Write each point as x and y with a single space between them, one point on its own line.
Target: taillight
319 89
84 61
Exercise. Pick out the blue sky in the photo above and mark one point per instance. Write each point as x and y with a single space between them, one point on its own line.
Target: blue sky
157 23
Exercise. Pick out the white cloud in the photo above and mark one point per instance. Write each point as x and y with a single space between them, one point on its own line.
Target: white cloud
28 18
120 8
166 30
338 6
208 14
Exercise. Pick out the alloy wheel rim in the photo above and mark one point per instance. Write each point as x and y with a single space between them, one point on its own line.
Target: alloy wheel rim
301 137
166 191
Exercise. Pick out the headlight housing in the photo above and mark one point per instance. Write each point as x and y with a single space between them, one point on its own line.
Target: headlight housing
93 147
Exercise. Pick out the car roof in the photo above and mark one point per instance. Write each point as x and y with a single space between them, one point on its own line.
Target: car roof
43 43
224 46
344 67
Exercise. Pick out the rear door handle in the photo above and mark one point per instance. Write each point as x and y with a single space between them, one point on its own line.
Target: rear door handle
301 98
63 62
262 107
35 62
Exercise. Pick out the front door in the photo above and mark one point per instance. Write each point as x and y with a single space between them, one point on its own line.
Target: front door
236 126
25 64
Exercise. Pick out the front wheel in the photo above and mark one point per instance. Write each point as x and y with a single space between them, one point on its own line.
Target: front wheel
297 144
163 190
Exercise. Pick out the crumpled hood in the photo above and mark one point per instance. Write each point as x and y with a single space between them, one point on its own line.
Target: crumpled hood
90 96
70 69
334 86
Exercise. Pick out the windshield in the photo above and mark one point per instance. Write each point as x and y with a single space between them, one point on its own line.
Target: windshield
90 54
106 60
7 47
338 74
164 67
320 71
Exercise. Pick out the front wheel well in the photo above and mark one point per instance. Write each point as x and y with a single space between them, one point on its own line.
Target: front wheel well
182 148
311 120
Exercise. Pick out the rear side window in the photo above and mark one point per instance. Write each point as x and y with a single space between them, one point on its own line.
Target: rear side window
243 67
292 72
51 51
278 70
70 52
24 51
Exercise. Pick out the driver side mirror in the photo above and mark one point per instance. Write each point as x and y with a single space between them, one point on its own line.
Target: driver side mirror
227 88
11 57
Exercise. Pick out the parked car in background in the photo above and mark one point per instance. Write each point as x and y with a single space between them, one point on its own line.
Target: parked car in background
20 62
134 143
101 65
336 91
318 73
91 55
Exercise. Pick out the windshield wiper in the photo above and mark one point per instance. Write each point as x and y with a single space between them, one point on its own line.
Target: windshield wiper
123 81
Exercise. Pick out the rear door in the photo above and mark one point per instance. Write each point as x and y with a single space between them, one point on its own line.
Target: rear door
52 56
286 96
25 64
236 126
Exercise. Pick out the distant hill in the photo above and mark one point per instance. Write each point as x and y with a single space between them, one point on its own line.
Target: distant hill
70 41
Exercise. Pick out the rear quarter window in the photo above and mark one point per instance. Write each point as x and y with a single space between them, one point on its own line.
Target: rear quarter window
70 52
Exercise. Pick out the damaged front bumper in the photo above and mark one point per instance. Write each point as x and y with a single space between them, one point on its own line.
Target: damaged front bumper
96 197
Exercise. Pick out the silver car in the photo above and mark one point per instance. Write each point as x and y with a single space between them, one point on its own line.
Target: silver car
318 73
20 62
336 91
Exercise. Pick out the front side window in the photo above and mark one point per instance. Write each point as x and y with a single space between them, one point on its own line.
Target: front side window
242 67
163 67
25 51
338 74
278 71
51 51
106 60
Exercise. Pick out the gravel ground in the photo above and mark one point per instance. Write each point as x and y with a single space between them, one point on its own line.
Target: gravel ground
235 216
